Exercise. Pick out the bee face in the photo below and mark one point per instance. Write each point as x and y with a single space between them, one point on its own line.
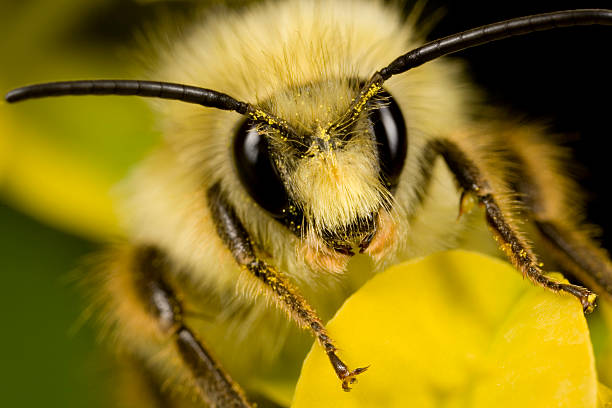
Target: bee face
328 179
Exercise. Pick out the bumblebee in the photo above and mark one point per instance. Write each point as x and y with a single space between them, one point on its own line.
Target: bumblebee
308 159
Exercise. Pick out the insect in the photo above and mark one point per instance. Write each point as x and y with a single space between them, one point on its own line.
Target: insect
319 154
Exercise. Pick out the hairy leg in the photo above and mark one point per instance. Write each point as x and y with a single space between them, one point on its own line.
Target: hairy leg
554 204
472 180
142 311
286 296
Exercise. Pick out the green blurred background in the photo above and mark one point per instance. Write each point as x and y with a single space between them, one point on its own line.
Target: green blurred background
59 158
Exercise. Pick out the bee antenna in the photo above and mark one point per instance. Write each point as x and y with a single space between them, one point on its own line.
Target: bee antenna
493 32
164 90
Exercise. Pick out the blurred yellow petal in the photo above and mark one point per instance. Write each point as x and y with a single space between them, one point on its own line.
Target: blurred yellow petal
60 157
61 189
604 397
456 329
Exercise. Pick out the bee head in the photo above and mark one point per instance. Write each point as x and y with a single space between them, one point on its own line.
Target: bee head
329 171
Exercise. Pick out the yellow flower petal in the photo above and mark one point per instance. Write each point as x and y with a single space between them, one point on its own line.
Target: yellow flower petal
53 185
60 157
456 329
62 172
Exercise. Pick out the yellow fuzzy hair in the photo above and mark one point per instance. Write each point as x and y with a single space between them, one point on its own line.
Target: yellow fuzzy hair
295 59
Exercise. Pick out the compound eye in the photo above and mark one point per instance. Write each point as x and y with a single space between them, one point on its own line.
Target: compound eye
391 137
256 170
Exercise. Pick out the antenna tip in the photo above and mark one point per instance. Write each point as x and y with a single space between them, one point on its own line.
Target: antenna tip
13 96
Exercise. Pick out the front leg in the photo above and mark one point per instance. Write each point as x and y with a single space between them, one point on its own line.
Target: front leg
471 180
286 296
214 385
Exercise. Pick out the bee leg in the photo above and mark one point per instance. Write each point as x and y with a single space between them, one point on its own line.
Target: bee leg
214 385
577 254
284 293
552 199
471 180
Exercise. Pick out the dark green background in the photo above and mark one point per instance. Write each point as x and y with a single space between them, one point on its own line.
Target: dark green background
44 361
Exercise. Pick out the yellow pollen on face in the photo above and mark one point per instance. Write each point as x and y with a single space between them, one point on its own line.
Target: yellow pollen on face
373 90
258 114
322 134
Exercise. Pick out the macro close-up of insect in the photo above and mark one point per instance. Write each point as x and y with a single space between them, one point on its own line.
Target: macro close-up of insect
301 148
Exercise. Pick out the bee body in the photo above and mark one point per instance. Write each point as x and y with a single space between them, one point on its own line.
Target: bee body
310 78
